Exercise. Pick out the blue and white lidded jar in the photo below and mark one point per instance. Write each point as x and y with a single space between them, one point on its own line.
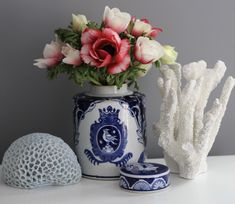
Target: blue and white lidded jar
109 130
144 177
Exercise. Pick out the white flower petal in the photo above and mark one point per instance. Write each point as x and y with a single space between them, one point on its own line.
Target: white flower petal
52 50
79 22
116 20
147 50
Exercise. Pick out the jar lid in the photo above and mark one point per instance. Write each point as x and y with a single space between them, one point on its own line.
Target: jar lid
144 177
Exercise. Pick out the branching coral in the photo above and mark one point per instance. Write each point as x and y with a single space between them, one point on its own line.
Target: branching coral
187 132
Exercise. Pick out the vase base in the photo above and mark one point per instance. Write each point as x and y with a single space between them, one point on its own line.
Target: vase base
103 178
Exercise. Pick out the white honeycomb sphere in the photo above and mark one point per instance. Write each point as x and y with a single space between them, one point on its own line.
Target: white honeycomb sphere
40 159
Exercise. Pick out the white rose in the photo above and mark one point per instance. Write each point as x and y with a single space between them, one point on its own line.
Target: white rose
115 19
147 51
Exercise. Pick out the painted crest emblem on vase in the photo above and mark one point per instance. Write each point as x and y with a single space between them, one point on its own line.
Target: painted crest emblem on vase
108 138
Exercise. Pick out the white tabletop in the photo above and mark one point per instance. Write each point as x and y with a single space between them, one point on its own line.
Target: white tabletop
216 186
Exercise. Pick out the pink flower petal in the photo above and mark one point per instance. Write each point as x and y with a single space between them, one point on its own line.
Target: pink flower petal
133 18
111 35
90 35
120 66
102 53
123 51
145 20
52 50
73 58
85 55
100 43
154 32
46 63
136 32
137 52
107 60
93 54
138 55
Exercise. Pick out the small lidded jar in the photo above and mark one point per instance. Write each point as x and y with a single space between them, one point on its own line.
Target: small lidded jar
144 177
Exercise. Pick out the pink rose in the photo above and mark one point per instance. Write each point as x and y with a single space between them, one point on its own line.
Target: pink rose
142 27
105 49
52 55
115 19
147 51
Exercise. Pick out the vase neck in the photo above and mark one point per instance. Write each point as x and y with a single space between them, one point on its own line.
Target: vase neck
109 91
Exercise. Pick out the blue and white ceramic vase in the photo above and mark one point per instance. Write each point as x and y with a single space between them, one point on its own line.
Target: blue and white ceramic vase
109 130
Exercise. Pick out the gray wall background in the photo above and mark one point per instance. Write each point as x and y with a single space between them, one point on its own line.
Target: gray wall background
202 29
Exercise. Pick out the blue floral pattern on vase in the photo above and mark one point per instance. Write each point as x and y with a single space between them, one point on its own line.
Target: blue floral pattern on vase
108 137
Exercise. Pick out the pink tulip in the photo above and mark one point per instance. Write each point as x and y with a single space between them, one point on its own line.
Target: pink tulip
115 19
52 55
147 51
105 49
72 56
142 27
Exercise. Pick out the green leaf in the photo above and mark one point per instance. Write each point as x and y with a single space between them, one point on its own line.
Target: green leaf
62 68
78 78
158 64
93 25
70 37
124 77
109 80
94 81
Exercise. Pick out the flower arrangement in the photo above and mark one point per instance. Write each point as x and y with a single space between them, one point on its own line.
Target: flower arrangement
119 50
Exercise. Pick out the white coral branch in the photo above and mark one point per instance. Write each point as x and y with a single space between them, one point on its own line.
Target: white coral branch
224 98
212 78
186 132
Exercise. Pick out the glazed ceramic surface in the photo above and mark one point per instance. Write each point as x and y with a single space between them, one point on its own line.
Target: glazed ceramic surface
144 177
109 131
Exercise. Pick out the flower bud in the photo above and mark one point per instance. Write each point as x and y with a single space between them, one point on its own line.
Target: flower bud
79 22
170 55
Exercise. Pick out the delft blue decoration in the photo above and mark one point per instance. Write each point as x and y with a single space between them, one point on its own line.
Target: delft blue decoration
82 105
40 159
136 106
144 177
108 137
141 157
104 133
